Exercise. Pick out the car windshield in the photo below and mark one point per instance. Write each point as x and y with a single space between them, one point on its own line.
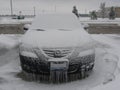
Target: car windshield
55 21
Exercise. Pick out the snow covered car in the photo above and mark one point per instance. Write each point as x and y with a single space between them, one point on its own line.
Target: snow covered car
56 48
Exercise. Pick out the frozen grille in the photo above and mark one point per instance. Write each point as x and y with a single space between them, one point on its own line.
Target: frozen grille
57 53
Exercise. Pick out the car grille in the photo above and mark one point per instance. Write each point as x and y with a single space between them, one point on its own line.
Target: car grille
57 53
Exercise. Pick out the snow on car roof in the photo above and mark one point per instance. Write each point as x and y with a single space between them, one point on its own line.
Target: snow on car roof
55 21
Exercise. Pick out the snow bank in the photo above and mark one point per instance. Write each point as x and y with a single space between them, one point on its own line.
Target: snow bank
15 21
112 59
6 21
115 85
6 41
100 21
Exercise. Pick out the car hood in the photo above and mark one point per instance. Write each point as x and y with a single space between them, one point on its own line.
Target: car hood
56 38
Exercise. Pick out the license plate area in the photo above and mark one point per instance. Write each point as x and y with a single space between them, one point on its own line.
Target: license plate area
58 64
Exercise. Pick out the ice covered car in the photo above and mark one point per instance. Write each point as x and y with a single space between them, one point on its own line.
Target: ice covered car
56 48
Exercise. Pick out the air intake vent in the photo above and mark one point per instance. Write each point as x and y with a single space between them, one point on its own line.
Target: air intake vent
57 53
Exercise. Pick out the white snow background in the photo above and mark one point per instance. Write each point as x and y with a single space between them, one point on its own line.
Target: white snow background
106 67
105 74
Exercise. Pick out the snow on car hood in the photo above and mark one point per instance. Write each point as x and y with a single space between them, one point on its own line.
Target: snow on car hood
56 38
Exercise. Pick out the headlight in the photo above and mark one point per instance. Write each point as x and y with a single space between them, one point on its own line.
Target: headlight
28 54
28 51
86 52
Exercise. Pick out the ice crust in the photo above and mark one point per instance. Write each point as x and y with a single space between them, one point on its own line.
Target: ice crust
54 30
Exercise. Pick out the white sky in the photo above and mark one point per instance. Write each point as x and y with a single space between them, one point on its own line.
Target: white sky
26 6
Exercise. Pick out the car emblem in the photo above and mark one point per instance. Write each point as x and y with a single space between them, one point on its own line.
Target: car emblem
57 53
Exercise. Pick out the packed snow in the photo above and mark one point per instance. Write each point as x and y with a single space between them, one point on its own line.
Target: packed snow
46 38
7 42
87 20
59 21
105 74
15 21
83 20
46 34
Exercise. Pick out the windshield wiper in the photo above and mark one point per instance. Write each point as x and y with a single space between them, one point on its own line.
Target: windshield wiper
40 29
65 29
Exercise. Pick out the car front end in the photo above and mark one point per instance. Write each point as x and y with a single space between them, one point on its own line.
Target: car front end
41 61
57 52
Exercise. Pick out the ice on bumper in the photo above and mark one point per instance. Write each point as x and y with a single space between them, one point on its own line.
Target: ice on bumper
58 70
62 47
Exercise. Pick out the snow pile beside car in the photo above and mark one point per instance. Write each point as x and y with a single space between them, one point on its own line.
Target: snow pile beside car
112 58
8 41
115 85
15 21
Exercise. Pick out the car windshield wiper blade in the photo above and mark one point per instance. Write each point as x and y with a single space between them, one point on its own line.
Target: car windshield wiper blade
65 29
40 29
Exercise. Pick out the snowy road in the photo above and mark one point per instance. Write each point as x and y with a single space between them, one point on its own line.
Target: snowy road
107 46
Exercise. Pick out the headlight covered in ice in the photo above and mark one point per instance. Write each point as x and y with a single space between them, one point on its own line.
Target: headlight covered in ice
27 51
86 52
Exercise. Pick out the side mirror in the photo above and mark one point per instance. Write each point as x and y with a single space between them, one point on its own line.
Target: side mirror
26 27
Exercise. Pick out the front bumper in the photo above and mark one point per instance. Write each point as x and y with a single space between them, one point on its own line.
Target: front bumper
34 65
40 70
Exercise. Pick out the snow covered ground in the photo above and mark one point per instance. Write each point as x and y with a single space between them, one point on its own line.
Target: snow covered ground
106 67
99 20
84 20
15 21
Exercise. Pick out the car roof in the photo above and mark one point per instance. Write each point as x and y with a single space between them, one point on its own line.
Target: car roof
56 21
